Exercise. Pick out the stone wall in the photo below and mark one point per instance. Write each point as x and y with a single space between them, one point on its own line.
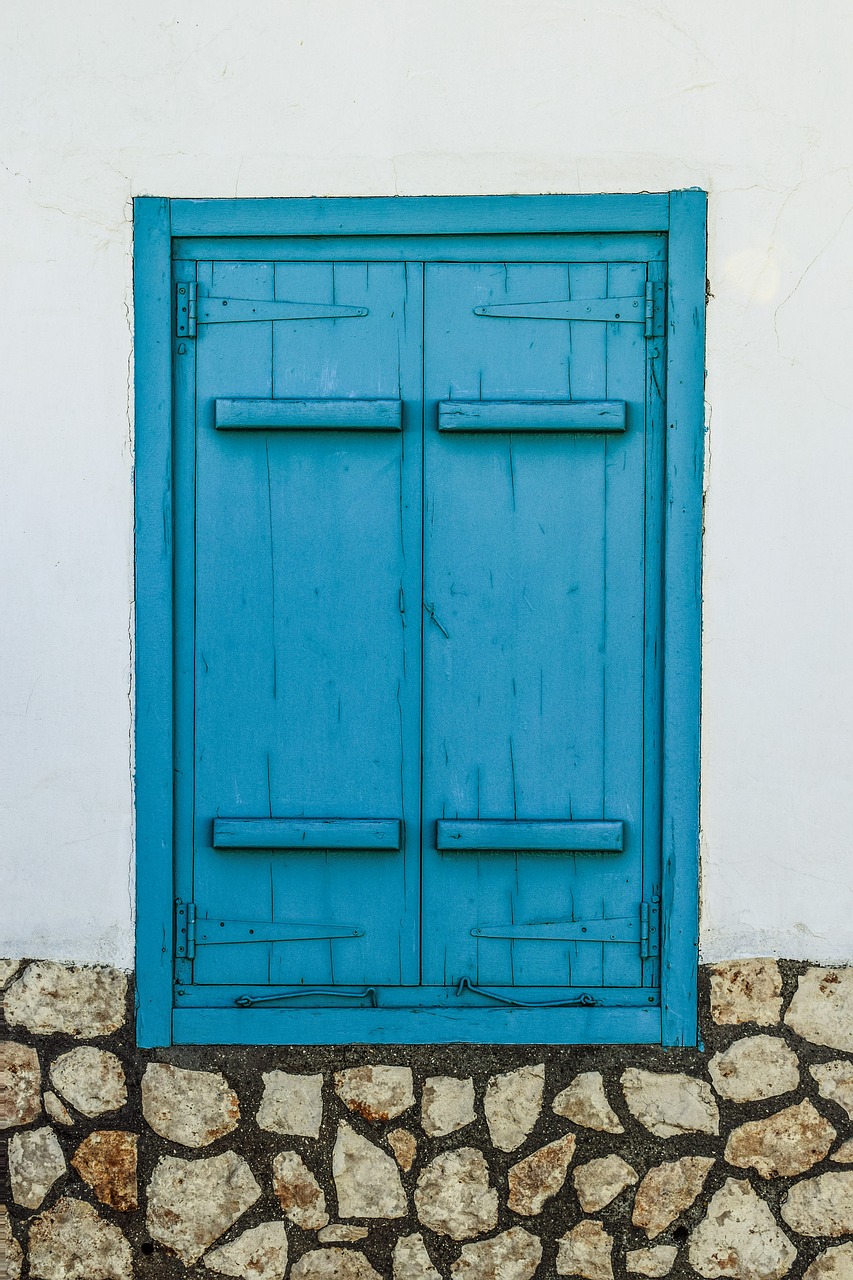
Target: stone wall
462 1162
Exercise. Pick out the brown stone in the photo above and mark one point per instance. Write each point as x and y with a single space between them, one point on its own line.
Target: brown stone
20 1084
739 1237
600 1181
667 1190
107 1161
821 1206
376 1093
334 1264
781 1145
539 1176
586 1251
299 1193
833 1264
81 1002
513 1255
72 1242
405 1147
821 1010
746 991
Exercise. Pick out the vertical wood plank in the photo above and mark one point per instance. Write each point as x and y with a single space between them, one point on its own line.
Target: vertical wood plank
682 628
153 651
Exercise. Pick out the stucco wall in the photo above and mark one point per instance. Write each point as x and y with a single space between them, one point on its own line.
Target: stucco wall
105 101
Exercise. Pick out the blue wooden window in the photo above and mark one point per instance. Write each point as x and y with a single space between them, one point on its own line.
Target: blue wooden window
418 570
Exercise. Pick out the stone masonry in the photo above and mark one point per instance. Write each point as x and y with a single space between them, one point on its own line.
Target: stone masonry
451 1162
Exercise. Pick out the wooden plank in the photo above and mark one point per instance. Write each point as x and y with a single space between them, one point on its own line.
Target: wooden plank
436 1025
311 415
598 837
631 247
683 617
305 833
152 300
531 415
420 215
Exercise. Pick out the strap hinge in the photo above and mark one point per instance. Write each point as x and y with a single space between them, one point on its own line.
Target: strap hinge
184 929
650 929
655 308
185 308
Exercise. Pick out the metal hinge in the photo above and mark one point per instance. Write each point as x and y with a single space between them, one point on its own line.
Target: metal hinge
185 308
650 929
655 308
184 929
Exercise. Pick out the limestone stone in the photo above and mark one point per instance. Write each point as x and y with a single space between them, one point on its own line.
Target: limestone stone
833 1264
191 1203
821 1010
513 1255
602 1180
367 1180
193 1108
405 1147
20 1084
50 997
342 1233
844 1154
8 969
11 1253
821 1206
72 1241
835 1083
334 1264
376 1093
781 1145
667 1190
57 1110
539 1176
107 1161
257 1254
411 1260
35 1163
512 1105
746 991
447 1104
754 1068
739 1237
655 1262
454 1197
584 1102
299 1193
587 1251
292 1104
669 1104
92 1080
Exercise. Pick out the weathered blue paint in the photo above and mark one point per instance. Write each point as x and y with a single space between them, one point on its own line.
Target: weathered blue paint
301 622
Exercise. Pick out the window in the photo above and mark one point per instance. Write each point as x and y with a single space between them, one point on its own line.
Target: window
418 554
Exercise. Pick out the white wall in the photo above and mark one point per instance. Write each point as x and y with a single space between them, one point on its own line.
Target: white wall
108 100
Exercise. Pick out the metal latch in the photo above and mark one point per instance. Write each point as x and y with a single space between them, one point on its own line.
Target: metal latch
185 308
184 929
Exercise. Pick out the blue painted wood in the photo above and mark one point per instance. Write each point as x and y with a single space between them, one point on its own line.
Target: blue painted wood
561 837
531 415
491 247
533 694
683 624
254 532
463 995
152 293
422 1026
302 415
305 833
421 215
307 689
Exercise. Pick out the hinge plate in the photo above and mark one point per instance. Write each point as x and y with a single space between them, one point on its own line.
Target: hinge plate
185 308
650 929
184 929
655 308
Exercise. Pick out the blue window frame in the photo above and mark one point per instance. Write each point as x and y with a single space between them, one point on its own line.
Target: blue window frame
490 405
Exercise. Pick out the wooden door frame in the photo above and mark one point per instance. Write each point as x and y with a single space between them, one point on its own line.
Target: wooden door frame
158 222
